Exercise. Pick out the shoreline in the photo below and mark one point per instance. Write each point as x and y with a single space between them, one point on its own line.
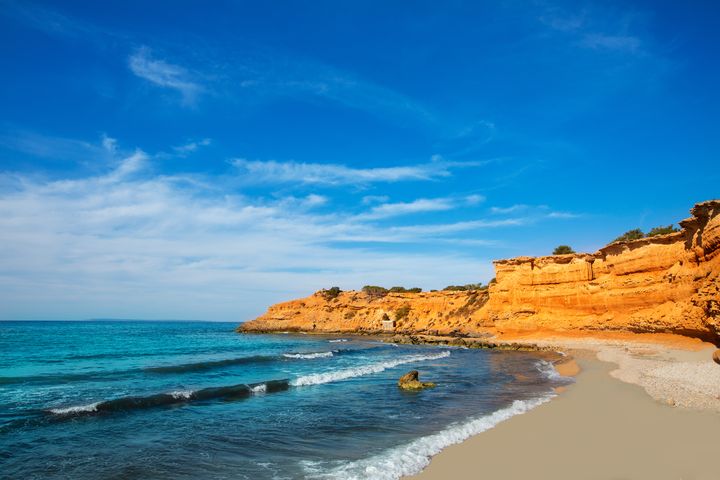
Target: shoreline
636 410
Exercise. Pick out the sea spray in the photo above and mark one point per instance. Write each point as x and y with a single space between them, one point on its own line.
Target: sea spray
333 376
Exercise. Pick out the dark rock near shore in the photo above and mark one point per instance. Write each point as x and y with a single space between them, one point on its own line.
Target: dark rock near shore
716 356
411 381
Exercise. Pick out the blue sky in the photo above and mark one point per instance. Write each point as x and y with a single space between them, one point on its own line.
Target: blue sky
169 160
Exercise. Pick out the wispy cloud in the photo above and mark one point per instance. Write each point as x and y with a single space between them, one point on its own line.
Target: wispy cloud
267 73
594 28
191 147
56 148
130 241
420 205
602 41
165 75
536 211
271 171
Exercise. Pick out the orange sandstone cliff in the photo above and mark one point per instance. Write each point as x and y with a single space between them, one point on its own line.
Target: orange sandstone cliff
668 284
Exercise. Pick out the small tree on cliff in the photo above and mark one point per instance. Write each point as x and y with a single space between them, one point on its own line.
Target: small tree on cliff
563 250
635 234
331 293
662 231
374 291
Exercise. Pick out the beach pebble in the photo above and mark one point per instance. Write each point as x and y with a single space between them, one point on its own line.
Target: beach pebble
716 356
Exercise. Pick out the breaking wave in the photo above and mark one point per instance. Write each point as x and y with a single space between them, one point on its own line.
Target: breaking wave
333 376
413 457
308 356
173 398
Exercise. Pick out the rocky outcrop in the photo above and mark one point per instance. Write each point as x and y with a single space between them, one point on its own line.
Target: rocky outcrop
438 313
668 284
411 381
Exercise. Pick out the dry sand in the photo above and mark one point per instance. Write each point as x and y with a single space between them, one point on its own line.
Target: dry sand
601 428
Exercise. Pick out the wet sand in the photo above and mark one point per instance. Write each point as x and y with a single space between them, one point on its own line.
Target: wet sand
600 428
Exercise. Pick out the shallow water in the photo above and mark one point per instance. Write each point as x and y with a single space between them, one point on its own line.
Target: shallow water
95 400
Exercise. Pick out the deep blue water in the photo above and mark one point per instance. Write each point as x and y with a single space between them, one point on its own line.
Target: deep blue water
146 400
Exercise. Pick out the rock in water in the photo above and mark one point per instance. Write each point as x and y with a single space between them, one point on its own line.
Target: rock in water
716 357
411 381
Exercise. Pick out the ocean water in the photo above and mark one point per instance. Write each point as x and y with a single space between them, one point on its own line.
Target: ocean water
181 400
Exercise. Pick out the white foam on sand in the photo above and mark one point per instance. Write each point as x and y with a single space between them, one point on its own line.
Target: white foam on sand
413 457
333 376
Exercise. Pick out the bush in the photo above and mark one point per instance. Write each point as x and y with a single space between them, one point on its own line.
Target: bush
402 312
464 288
375 291
635 234
662 231
563 250
405 290
331 293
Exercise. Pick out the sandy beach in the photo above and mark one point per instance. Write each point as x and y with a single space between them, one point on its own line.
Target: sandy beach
602 427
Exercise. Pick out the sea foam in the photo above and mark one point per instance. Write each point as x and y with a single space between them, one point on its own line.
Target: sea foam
413 457
308 356
548 370
333 376
91 407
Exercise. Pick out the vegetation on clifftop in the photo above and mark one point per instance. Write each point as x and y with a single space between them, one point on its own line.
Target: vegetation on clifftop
465 288
637 234
563 250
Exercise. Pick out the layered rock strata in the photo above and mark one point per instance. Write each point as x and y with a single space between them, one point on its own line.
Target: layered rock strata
668 283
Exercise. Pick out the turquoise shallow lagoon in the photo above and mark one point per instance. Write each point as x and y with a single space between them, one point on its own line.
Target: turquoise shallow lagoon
123 400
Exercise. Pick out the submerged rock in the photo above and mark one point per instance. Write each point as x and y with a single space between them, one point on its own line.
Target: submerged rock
716 356
410 381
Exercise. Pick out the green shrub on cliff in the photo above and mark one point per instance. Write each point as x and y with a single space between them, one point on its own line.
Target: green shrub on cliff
563 250
464 288
331 293
405 290
635 234
374 290
662 230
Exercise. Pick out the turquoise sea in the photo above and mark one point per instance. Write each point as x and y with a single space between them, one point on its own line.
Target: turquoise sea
195 400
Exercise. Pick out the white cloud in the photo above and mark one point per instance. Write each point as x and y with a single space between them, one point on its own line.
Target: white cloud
191 147
128 244
257 171
474 199
131 243
164 74
370 199
420 205
510 209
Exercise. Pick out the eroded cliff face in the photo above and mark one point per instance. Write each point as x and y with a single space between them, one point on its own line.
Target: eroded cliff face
428 312
668 284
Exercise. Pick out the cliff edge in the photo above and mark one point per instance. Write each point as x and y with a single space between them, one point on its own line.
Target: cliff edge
663 284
